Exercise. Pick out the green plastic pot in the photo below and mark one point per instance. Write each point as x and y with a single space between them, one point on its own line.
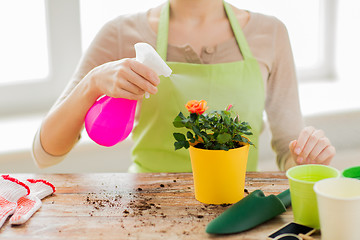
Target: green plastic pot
301 180
352 172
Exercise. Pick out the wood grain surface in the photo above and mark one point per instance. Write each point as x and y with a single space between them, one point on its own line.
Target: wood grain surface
135 206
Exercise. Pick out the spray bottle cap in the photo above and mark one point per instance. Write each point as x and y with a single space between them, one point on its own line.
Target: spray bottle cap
147 55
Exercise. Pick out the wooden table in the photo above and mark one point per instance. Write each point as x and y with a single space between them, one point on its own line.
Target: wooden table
135 206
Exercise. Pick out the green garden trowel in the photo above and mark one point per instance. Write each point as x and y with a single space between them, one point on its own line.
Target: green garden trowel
249 212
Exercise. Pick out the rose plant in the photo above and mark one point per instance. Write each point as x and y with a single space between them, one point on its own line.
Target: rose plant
217 130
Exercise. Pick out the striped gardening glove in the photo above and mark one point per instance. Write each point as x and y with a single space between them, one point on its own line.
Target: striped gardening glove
28 205
11 190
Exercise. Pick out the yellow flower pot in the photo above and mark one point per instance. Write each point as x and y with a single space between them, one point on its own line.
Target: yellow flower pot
219 176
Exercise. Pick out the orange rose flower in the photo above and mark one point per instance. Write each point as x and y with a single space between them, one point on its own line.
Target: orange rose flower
198 107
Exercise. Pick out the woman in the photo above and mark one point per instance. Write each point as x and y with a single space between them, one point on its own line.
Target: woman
218 53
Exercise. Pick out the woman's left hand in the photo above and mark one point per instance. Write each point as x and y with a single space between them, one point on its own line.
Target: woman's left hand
313 147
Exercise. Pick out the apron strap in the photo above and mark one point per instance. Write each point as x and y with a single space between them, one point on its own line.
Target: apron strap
163 31
239 35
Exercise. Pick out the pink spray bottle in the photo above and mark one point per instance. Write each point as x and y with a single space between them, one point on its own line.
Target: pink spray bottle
110 120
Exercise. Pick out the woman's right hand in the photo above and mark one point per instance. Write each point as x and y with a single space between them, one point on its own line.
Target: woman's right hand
125 78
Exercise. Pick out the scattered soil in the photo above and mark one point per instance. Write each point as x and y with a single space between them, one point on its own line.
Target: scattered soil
137 203
103 200
225 204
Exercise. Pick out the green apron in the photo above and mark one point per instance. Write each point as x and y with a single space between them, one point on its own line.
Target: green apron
238 83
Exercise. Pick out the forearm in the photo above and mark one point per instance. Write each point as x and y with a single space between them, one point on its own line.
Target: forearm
284 160
124 78
61 128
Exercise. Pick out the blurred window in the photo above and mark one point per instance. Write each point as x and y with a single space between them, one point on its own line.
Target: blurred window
23 42
42 41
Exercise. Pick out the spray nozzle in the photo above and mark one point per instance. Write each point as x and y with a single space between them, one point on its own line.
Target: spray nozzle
147 55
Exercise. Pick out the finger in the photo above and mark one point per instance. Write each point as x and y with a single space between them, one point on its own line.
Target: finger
126 83
326 155
292 145
128 95
318 148
143 83
136 83
144 71
310 144
303 137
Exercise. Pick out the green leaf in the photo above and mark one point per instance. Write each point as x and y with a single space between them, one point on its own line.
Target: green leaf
245 140
223 138
178 122
217 146
187 123
238 138
178 145
224 148
225 114
196 130
179 137
193 117
248 133
227 121
205 137
181 115
189 135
